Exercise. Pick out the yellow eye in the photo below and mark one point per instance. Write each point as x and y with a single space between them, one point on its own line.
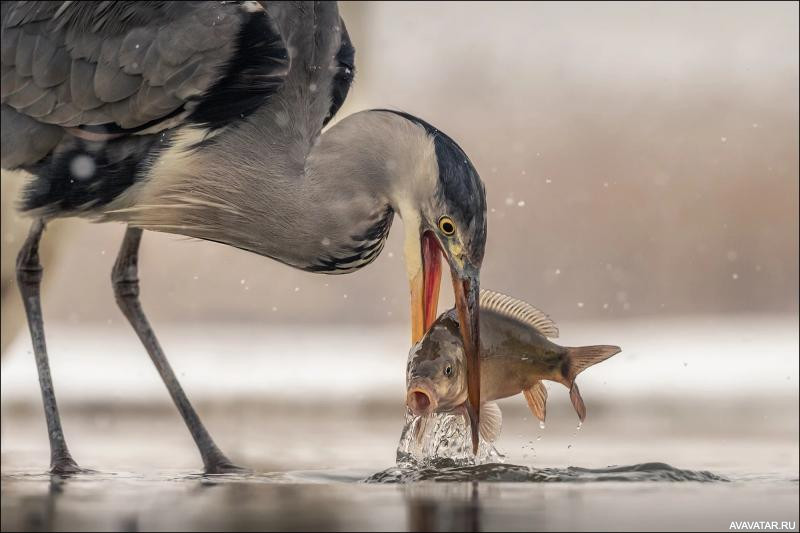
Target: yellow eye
446 225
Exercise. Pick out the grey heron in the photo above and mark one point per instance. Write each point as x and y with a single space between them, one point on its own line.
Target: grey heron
205 119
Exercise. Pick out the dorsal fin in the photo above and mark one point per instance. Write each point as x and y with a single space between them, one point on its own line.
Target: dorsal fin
518 310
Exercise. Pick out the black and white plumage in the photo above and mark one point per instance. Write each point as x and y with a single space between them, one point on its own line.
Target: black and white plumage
205 119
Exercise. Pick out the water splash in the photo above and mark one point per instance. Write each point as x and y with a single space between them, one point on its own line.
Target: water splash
520 474
441 440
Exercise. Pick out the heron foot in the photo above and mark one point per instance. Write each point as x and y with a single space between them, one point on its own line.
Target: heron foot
225 467
66 466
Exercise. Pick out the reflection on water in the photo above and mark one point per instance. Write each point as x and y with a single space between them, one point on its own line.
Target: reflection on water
336 500
477 497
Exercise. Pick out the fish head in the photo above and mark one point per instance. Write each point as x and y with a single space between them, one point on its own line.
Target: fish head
436 378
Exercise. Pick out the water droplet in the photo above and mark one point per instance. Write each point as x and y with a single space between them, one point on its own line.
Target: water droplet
605 306
685 364
274 308
580 304
569 446
723 139
241 282
735 275
82 167
195 277
580 425
509 201
539 437
541 424
297 289
548 180
390 254
345 297
521 203
558 271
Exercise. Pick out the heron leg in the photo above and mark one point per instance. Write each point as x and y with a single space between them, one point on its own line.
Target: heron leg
29 278
125 278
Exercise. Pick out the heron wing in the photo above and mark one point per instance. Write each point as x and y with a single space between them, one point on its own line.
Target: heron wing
345 63
138 67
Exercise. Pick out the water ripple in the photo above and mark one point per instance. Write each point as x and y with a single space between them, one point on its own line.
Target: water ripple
497 472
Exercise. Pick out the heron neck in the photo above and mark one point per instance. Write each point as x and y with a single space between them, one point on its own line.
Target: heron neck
327 207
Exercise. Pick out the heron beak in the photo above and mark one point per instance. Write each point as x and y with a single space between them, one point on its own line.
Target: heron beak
424 304
425 288
466 288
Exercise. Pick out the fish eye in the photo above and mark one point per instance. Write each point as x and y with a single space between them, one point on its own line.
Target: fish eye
446 225
448 371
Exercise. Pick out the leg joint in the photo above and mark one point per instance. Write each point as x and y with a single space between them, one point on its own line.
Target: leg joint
29 275
29 269
126 284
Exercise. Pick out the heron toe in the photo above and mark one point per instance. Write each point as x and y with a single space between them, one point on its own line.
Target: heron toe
66 466
225 468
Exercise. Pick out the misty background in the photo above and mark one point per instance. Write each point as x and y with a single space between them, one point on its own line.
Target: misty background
639 159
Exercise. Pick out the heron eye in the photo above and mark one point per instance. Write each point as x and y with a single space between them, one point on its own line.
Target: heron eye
446 225
448 370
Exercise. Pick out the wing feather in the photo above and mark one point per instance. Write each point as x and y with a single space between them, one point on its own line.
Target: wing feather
124 64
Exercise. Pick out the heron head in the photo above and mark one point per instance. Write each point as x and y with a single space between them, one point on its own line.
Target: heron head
449 213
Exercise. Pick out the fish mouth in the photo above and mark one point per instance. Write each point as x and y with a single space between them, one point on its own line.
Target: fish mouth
421 399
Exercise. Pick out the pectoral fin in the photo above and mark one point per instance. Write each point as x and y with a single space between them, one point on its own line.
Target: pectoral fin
491 421
537 400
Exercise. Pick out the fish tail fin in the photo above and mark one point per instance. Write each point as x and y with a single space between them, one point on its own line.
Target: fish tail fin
577 360
580 358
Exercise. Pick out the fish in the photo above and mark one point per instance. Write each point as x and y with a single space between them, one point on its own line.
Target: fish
516 356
